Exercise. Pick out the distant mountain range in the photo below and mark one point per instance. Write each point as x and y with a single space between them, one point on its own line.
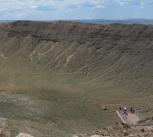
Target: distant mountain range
103 21
6 21
127 21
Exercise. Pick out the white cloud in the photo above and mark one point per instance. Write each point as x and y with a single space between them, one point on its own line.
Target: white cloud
30 8
124 2
140 2
62 4
56 4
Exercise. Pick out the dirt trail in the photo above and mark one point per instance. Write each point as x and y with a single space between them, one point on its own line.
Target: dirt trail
132 119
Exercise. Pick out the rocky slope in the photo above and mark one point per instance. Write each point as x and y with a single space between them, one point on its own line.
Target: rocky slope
79 47
111 52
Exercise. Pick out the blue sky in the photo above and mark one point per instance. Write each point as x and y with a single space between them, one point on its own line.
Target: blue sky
75 9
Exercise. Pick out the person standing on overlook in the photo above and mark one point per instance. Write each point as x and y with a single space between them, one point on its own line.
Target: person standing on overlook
125 112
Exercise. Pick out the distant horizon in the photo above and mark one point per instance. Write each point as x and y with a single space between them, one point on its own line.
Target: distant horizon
77 19
92 21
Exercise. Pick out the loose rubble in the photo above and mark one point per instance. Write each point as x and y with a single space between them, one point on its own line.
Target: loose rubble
119 130
4 129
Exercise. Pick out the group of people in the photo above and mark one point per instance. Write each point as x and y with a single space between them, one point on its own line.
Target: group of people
124 111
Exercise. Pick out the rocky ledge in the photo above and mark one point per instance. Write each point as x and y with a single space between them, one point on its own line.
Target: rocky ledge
119 130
